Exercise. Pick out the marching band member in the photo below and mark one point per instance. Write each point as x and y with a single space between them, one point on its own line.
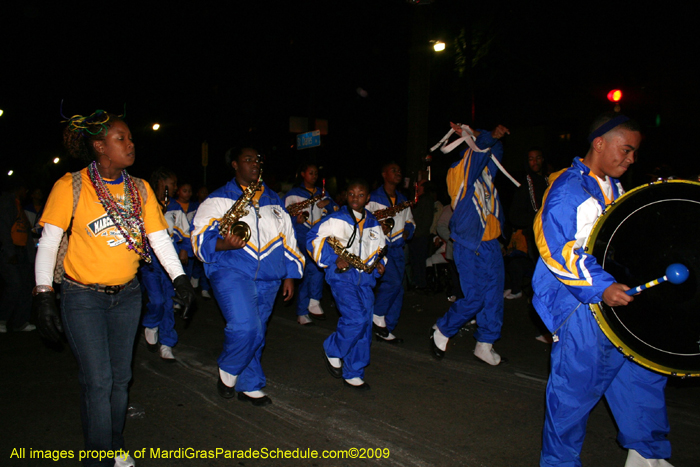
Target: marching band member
246 274
307 204
475 226
360 240
159 319
585 365
398 228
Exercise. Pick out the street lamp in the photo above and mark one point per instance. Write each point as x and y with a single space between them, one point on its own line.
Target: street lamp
438 46
156 126
56 160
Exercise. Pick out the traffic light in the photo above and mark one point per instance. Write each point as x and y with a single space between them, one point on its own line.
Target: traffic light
615 96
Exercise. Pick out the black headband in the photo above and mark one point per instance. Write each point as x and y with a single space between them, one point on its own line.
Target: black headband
607 126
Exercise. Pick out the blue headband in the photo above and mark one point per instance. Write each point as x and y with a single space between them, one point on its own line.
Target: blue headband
607 126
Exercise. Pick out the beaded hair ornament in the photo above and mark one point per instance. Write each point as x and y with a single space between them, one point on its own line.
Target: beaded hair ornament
126 217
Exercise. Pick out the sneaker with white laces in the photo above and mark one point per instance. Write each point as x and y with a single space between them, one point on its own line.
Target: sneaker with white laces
166 353
120 461
206 294
485 352
452 298
512 296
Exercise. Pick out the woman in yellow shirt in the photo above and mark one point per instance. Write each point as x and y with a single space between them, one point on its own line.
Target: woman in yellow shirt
116 223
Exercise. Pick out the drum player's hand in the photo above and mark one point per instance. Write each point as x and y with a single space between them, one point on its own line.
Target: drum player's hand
615 295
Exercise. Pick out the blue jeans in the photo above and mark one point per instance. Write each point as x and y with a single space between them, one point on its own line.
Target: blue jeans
101 329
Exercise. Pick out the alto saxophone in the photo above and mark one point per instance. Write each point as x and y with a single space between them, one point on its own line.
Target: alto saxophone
385 216
295 209
352 259
230 223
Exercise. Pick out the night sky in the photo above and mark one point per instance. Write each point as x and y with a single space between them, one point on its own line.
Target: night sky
234 72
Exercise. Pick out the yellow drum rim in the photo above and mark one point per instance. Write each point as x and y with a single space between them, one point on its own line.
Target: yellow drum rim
597 310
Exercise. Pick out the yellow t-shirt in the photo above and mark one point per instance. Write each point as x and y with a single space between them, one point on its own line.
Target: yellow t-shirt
97 253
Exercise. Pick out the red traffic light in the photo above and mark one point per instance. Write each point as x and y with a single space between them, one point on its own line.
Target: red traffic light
615 95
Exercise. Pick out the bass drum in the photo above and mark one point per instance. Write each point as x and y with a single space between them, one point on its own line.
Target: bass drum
635 240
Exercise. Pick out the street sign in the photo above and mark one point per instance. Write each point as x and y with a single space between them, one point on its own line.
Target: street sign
309 140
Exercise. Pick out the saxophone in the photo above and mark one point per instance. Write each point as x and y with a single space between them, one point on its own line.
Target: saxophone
352 259
385 216
295 209
229 223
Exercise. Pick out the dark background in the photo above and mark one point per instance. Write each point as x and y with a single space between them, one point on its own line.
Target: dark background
231 73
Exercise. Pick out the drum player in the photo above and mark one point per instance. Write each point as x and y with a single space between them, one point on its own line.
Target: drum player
585 365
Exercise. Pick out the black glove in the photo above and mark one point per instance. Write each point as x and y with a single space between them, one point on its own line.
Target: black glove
46 316
184 294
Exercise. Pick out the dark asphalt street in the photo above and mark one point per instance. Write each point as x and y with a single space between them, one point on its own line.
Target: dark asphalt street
455 412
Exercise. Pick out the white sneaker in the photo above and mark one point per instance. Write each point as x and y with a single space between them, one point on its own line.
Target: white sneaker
166 353
634 459
512 296
194 282
506 293
119 461
315 308
27 327
3 326
304 319
206 294
151 335
452 298
485 352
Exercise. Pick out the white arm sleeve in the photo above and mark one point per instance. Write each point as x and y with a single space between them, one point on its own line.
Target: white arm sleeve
162 246
45 262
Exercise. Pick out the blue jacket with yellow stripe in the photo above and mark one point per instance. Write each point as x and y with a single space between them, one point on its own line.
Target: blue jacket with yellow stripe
474 196
565 276
367 244
178 226
271 253
299 194
403 221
